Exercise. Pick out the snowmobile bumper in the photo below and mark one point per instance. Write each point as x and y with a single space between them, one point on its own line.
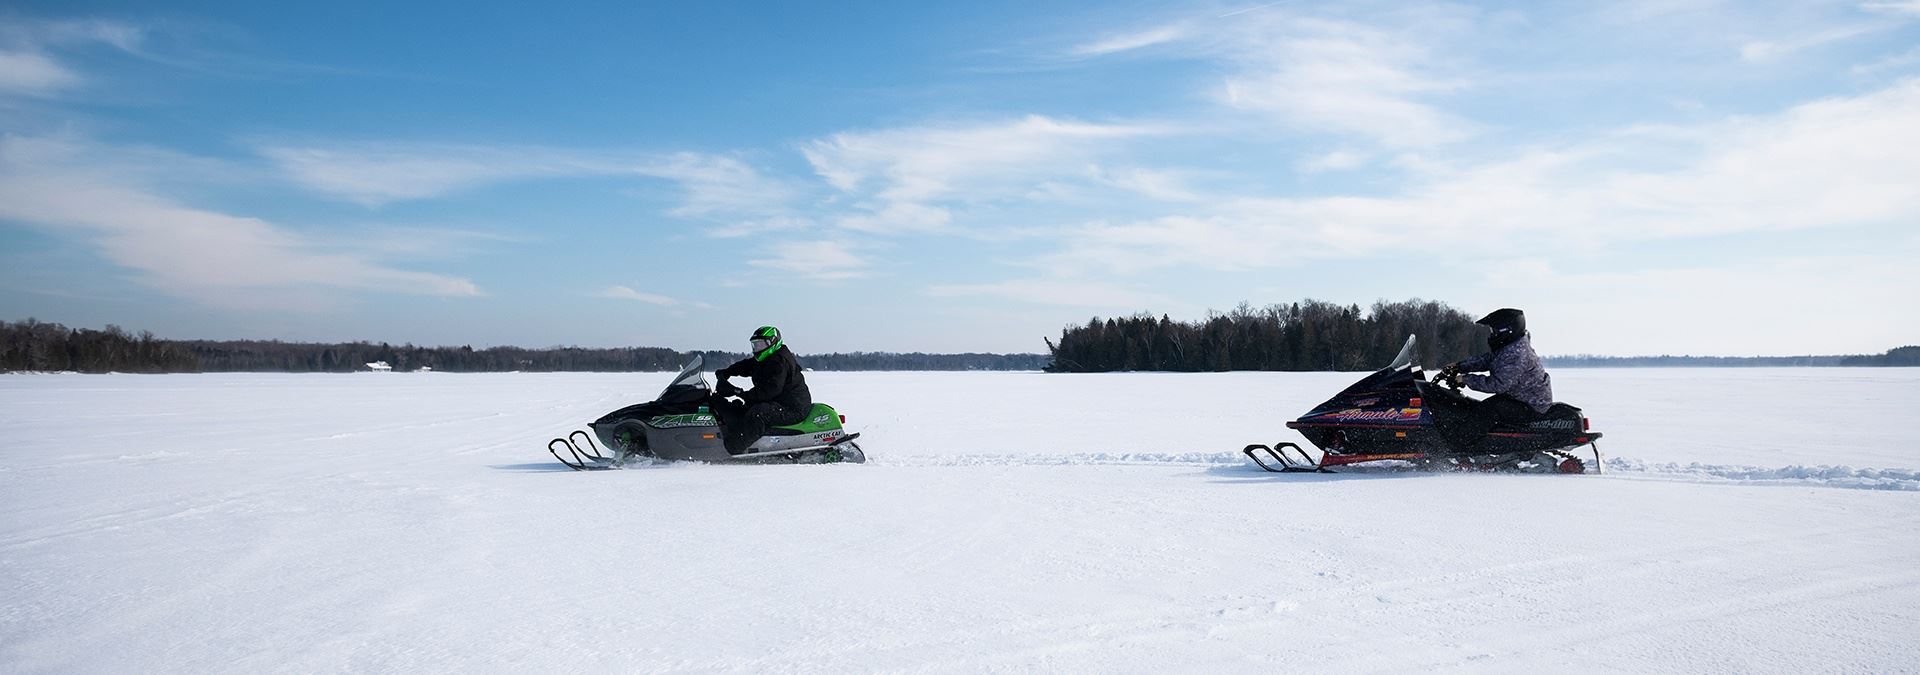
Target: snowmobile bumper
1287 456
583 459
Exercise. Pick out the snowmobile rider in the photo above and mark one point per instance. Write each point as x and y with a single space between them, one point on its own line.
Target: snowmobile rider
779 394
1521 388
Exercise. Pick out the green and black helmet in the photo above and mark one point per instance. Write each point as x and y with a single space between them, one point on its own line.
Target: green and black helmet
765 341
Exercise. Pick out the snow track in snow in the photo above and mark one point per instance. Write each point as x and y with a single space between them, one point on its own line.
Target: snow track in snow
1823 476
1845 477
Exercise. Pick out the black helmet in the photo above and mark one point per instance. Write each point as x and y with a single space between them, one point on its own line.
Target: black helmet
1508 324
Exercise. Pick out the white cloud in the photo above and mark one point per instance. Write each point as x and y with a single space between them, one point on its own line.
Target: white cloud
1135 40
899 174
625 293
1345 78
1338 160
28 66
1583 311
1062 292
744 227
1761 51
377 173
1158 184
714 187
717 185
213 257
1906 7
1317 75
1835 162
816 260
120 35
1896 61
33 73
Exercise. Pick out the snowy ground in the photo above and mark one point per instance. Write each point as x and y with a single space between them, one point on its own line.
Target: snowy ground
414 523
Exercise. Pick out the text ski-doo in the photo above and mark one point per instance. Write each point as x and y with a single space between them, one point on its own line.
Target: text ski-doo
1395 414
679 426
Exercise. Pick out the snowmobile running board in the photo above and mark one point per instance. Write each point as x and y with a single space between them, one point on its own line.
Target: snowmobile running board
1296 461
794 451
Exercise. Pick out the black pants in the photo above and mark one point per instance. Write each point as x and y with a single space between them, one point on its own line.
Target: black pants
743 423
1466 422
1504 409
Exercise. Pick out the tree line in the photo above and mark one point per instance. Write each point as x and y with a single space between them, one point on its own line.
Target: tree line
1306 335
1908 356
31 345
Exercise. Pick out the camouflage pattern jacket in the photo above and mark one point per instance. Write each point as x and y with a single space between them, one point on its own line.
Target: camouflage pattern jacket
1514 370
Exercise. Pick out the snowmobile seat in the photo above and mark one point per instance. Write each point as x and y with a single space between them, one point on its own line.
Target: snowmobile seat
821 418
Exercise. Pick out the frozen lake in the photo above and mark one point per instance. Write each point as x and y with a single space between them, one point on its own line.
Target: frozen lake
1753 520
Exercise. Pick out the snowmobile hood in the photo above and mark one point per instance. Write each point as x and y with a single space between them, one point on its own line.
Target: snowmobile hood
1386 395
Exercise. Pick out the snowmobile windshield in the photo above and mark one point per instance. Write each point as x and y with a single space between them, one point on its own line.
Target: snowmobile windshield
690 376
1406 355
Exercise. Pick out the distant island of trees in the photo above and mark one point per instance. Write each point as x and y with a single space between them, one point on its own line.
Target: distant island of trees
1307 335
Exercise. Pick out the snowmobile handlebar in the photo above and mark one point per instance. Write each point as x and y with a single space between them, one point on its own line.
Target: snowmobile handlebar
1448 377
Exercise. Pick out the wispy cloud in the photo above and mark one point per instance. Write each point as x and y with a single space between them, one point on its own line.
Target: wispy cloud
374 173
1896 61
1835 162
628 293
1319 75
204 255
900 177
1136 40
1900 7
28 65
1581 302
1062 292
1338 160
1760 51
625 293
815 260
33 73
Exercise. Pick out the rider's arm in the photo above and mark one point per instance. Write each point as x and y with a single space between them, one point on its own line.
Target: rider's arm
1475 364
775 384
1499 377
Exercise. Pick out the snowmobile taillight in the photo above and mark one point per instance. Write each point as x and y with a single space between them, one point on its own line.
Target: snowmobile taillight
1580 440
708 437
1413 402
1586 424
843 419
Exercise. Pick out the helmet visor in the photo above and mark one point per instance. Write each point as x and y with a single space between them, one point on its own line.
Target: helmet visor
761 344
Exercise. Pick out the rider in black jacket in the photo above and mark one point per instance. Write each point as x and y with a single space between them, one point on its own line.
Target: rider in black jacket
779 394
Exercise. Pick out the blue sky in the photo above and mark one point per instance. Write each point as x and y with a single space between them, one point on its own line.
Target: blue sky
1661 176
